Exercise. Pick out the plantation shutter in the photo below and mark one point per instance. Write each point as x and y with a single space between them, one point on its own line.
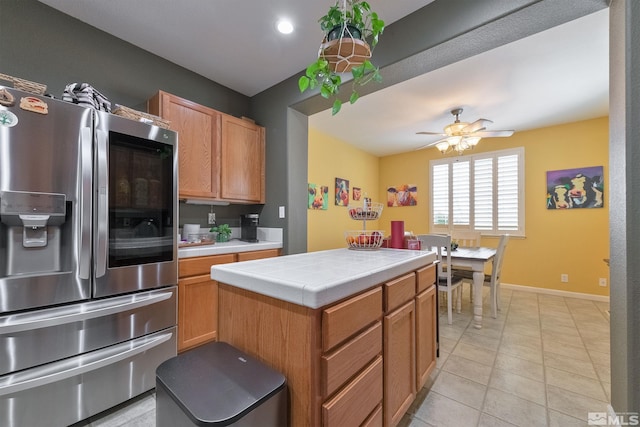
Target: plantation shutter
440 194
461 201
508 191
483 194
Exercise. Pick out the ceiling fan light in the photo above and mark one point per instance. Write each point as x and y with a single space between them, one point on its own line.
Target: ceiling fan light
454 140
442 146
472 141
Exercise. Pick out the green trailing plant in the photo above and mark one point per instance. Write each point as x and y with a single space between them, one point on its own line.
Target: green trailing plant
319 73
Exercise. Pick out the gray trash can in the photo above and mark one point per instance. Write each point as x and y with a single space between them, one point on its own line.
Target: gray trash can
218 385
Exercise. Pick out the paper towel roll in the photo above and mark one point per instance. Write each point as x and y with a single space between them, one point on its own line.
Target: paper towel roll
397 234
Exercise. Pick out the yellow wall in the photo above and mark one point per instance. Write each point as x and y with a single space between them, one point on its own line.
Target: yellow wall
330 158
572 242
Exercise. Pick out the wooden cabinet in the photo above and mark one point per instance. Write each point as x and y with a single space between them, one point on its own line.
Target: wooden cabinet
220 157
399 349
198 296
199 130
198 300
349 363
426 305
242 160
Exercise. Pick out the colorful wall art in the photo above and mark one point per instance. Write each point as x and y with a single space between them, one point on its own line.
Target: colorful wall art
318 197
402 195
342 192
575 188
357 193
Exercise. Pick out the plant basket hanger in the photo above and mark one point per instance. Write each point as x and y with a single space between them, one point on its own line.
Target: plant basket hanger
345 52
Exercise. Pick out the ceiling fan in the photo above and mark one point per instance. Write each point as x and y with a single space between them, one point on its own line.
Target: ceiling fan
460 136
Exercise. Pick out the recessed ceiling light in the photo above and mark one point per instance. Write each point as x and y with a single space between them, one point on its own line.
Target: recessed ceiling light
284 26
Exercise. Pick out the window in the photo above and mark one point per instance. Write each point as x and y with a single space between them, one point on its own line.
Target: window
483 192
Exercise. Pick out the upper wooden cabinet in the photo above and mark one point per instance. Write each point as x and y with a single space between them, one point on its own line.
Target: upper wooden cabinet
221 157
242 160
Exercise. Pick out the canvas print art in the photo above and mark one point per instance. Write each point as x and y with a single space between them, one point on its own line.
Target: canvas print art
342 192
402 195
318 197
357 193
575 188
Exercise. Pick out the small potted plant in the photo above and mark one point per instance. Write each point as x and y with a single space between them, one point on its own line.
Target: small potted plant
224 232
352 31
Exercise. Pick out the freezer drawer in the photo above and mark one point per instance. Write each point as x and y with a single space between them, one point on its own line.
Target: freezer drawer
65 392
38 337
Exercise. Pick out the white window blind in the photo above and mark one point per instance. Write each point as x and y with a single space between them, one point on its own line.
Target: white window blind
481 192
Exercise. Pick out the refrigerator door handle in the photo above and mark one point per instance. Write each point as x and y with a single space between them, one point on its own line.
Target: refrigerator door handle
90 310
86 191
102 209
78 365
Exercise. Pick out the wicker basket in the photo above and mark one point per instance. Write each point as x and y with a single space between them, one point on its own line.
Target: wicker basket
25 85
364 240
139 116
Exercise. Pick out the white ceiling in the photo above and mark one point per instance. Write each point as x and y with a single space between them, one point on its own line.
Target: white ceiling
557 76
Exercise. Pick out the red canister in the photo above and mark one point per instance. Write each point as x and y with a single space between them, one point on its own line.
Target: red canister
397 234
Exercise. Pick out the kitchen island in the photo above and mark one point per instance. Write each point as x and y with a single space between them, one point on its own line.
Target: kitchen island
352 331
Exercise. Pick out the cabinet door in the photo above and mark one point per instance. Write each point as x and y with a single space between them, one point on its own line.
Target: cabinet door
198 130
242 160
399 363
425 335
197 311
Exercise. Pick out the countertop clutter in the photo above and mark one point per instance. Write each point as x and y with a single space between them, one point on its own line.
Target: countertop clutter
316 279
268 238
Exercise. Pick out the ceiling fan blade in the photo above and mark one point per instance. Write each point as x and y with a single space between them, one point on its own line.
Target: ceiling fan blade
493 133
431 133
431 144
478 125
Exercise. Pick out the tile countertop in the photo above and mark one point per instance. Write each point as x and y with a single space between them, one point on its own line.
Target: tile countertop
316 279
268 238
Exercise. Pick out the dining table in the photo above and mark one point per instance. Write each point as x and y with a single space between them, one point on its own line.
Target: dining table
474 259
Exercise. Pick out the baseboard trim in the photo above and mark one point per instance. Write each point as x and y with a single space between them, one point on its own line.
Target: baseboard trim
556 292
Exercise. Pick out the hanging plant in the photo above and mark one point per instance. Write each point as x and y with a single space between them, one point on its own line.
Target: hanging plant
352 30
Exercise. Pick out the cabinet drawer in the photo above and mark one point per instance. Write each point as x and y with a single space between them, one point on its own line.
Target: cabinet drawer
347 318
353 404
350 358
267 253
399 291
426 277
375 419
202 265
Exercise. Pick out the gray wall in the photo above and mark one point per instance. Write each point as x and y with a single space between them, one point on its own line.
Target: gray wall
41 44
624 216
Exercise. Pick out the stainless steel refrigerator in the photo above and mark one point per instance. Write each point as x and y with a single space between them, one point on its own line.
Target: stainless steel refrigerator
88 259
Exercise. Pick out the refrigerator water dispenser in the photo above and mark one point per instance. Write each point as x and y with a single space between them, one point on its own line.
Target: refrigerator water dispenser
32 223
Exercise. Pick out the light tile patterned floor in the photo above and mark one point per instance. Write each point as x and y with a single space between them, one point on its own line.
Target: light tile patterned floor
543 362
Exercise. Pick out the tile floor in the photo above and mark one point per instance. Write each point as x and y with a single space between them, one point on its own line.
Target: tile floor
543 362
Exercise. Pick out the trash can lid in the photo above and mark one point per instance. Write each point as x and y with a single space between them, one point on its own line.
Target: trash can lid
216 384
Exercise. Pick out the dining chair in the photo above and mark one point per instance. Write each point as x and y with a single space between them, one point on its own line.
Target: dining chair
492 280
447 281
466 239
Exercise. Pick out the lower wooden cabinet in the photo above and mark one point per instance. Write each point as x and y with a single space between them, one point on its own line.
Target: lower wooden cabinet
399 363
352 363
426 306
198 296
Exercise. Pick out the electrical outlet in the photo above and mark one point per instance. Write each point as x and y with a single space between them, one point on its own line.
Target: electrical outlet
564 278
602 282
211 218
